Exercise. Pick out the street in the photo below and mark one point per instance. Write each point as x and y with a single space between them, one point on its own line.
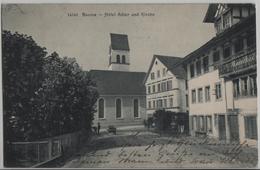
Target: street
139 148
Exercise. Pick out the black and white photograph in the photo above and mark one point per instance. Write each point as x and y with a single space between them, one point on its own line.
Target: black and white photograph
129 85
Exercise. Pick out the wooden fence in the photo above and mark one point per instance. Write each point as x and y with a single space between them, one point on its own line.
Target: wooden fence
36 153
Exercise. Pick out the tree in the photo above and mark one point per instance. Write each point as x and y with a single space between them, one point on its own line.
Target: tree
163 119
66 98
43 95
23 62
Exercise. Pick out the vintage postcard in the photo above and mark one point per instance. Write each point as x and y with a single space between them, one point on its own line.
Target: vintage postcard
168 85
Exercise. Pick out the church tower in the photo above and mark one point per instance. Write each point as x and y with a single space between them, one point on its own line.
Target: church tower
119 53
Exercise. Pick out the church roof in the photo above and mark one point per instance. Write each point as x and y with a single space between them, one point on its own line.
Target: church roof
173 64
119 82
119 42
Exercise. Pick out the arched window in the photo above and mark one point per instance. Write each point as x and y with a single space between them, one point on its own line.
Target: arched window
118 59
101 108
118 108
123 59
136 108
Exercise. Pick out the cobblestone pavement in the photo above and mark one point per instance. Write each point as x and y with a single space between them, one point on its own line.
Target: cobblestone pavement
146 149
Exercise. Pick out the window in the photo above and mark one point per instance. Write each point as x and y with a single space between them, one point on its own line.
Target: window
154 104
118 59
201 123
193 96
206 64
192 70
244 86
198 67
218 91
226 20
251 41
207 93
101 109
159 87
171 102
123 59
218 25
239 45
152 76
200 95
153 88
149 89
163 86
216 56
118 108
227 52
164 72
158 74
250 127
169 85
253 85
159 103
136 108
187 100
149 104
165 103
209 123
236 88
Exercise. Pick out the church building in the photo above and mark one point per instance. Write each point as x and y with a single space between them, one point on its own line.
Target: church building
121 92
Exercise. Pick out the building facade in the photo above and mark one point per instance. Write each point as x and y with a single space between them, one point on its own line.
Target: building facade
222 77
121 99
165 85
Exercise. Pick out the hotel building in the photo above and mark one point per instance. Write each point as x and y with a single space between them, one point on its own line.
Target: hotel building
221 76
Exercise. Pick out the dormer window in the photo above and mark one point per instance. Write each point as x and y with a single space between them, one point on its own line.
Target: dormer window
226 20
218 25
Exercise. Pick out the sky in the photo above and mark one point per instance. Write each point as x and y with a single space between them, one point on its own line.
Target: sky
172 29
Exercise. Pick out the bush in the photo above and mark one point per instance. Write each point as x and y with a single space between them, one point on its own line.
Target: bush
162 119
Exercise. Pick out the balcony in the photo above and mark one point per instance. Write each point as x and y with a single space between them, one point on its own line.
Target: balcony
244 61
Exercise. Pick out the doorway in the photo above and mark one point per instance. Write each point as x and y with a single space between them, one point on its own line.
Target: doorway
233 127
222 127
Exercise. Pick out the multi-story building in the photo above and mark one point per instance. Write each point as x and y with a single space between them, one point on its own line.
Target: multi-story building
221 76
121 99
165 85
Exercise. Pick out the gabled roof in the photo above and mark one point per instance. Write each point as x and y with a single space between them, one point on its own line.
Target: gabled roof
173 64
210 14
118 82
212 9
242 25
119 42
